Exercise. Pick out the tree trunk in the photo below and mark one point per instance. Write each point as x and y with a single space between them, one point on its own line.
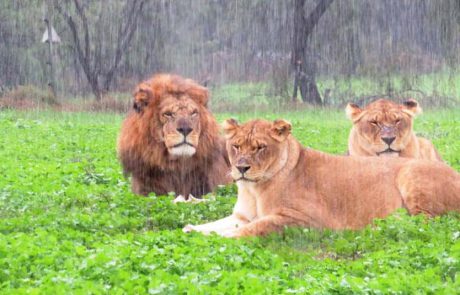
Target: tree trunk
309 90
95 88
304 64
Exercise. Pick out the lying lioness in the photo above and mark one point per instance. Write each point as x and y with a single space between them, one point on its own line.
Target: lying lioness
384 128
281 183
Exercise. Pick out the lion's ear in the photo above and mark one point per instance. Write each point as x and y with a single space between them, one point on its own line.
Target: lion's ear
412 106
280 129
198 93
142 96
230 127
353 111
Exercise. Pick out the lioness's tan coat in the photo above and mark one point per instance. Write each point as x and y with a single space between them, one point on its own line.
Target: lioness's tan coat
286 184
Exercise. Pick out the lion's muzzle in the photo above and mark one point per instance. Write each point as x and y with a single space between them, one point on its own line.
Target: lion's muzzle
184 127
183 149
388 134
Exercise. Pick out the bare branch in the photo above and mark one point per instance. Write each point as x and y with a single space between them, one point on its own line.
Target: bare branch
82 15
125 35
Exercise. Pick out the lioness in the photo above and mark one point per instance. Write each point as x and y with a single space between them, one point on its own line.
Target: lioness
384 128
281 183
170 141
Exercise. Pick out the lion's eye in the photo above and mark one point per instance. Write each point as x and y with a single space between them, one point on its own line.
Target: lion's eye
236 147
195 113
261 147
374 123
168 114
397 121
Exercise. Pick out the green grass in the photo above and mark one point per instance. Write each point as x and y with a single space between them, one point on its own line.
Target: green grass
69 223
441 89
442 86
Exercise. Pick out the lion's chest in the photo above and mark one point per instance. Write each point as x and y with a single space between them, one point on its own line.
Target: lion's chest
179 181
251 202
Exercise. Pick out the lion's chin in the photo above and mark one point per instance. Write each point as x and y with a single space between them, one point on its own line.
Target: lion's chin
245 180
389 154
241 179
182 151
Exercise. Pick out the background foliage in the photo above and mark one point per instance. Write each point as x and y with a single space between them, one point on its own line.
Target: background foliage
239 41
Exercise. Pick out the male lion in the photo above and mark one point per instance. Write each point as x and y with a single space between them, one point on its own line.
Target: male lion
384 128
170 142
281 183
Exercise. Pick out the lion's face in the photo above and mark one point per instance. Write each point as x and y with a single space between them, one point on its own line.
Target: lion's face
383 128
181 128
175 109
256 149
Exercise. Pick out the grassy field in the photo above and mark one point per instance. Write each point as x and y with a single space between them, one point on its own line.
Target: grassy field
440 89
70 225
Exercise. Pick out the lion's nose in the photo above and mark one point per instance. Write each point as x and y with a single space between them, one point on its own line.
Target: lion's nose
388 140
185 130
243 169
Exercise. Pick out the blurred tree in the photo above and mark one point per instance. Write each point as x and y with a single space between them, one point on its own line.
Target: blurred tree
122 42
89 49
304 62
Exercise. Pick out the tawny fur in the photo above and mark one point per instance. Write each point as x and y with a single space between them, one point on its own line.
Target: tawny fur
288 185
146 139
365 135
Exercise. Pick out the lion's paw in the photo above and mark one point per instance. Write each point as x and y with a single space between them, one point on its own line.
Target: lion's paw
229 234
188 228
190 199
179 199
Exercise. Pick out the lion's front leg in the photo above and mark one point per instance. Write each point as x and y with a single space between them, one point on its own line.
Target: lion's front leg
138 186
263 226
220 226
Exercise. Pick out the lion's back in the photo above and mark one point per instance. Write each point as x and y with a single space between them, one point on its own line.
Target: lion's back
427 150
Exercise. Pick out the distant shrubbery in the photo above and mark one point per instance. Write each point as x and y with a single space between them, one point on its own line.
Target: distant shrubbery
32 97
431 90
27 96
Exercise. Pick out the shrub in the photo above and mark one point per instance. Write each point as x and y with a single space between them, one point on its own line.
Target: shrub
26 96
